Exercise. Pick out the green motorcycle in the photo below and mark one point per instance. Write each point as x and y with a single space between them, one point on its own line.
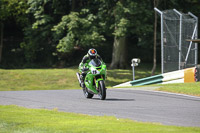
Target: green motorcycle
94 80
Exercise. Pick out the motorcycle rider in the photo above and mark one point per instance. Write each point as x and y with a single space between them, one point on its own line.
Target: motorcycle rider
92 54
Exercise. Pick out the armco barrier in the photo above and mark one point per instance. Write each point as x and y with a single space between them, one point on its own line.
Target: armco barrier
180 76
174 81
189 75
197 73
166 77
175 75
146 81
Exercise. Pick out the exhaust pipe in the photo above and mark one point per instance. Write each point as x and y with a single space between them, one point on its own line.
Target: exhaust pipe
78 76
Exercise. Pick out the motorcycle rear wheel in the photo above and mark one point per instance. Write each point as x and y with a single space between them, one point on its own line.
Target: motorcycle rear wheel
102 90
86 93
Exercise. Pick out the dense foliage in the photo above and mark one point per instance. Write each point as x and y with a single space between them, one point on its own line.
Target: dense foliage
57 33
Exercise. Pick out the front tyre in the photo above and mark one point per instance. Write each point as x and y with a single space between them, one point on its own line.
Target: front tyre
86 93
102 90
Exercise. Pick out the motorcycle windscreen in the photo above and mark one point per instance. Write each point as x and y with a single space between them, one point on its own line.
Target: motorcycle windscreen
95 62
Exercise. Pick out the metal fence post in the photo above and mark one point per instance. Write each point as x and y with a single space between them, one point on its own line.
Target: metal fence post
180 37
134 63
133 72
162 49
193 35
196 36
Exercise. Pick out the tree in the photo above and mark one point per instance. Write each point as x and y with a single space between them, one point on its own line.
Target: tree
120 31
59 27
82 30
39 44
1 42
14 9
154 47
3 16
132 18
99 19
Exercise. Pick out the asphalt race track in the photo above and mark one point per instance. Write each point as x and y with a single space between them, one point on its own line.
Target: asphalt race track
146 106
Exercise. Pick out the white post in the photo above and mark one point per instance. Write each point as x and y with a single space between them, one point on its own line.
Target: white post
135 62
133 72
195 29
180 37
196 36
162 48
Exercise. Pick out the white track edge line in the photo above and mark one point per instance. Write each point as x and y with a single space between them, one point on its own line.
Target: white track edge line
164 92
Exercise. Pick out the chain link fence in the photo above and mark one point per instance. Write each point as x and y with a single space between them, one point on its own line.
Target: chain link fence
176 28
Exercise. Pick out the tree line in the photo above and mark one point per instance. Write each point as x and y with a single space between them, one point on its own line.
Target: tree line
57 33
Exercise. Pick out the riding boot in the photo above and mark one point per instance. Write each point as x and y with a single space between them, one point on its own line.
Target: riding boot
82 77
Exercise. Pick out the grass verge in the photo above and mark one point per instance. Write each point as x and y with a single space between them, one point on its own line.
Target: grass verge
18 119
57 79
183 88
37 79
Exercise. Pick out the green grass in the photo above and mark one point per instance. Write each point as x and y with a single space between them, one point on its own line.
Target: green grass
18 119
57 79
184 88
118 76
181 88
14 119
38 79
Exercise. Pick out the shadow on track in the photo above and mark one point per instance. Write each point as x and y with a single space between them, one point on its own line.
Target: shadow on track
118 99
114 99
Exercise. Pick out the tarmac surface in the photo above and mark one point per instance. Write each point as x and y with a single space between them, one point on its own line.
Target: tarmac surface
139 105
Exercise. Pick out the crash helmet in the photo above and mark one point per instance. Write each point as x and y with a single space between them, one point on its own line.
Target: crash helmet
92 53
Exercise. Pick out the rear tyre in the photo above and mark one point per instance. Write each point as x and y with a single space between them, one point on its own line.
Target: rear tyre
86 93
102 90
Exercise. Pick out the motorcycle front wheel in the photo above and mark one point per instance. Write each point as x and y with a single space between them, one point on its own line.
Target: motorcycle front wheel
86 93
102 90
